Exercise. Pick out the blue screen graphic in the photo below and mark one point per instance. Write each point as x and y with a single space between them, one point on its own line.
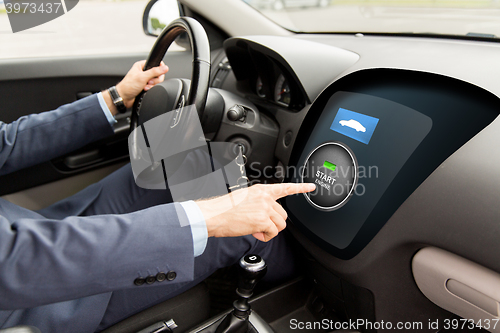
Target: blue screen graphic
354 125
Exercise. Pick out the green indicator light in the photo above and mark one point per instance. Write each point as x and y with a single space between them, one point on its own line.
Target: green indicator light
329 165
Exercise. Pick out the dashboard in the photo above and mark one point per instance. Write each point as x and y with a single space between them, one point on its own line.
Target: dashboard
427 168
421 118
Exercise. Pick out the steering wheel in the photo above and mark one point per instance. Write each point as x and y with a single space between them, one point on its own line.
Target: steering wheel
172 94
167 96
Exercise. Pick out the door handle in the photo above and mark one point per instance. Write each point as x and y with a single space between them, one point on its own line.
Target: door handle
83 159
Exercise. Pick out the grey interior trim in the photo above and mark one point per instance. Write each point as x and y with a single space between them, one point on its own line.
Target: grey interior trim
434 55
96 65
458 285
473 296
100 65
42 196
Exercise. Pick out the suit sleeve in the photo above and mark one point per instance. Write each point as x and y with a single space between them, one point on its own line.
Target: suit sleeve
45 261
41 137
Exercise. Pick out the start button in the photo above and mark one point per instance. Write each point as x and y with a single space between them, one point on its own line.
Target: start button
333 167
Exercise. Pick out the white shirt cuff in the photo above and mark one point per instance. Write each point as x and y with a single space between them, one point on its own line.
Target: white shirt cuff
105 109
198 226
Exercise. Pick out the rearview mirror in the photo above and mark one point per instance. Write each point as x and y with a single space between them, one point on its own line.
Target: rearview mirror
158 14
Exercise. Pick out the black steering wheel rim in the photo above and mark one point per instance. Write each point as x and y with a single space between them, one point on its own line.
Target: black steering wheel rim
200 49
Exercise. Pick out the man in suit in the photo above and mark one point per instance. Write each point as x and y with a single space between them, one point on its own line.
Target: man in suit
114 249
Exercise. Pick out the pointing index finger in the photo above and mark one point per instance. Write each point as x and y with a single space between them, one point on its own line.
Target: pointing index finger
283 190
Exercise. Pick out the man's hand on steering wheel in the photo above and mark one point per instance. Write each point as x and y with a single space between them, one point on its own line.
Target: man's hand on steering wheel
134 82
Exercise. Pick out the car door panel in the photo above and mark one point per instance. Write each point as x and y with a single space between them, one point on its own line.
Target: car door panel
39 197
36 85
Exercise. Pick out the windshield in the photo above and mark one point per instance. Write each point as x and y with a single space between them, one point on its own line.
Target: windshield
479 18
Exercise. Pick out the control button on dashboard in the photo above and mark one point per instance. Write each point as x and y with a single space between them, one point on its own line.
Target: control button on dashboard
333 167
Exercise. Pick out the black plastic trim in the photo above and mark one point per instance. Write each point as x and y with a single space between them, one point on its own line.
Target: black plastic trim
244 55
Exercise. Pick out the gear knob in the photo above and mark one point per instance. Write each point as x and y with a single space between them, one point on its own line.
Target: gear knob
252 270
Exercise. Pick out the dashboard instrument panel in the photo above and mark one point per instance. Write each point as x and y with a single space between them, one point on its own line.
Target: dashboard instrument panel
263 74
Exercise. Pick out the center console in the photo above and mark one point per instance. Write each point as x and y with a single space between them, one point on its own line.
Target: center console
368 141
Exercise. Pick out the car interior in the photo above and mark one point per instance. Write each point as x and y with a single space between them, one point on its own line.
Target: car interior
411 245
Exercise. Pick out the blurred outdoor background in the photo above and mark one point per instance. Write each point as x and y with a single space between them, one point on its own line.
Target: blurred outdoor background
92 27
115 26
456 17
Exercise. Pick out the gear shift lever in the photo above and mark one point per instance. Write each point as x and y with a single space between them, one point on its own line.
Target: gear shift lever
252 269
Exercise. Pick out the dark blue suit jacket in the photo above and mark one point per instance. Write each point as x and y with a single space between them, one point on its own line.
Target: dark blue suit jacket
59 274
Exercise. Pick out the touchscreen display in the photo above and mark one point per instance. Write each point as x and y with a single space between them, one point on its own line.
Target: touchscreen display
382 134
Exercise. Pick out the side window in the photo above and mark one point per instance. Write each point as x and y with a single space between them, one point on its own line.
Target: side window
91 27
